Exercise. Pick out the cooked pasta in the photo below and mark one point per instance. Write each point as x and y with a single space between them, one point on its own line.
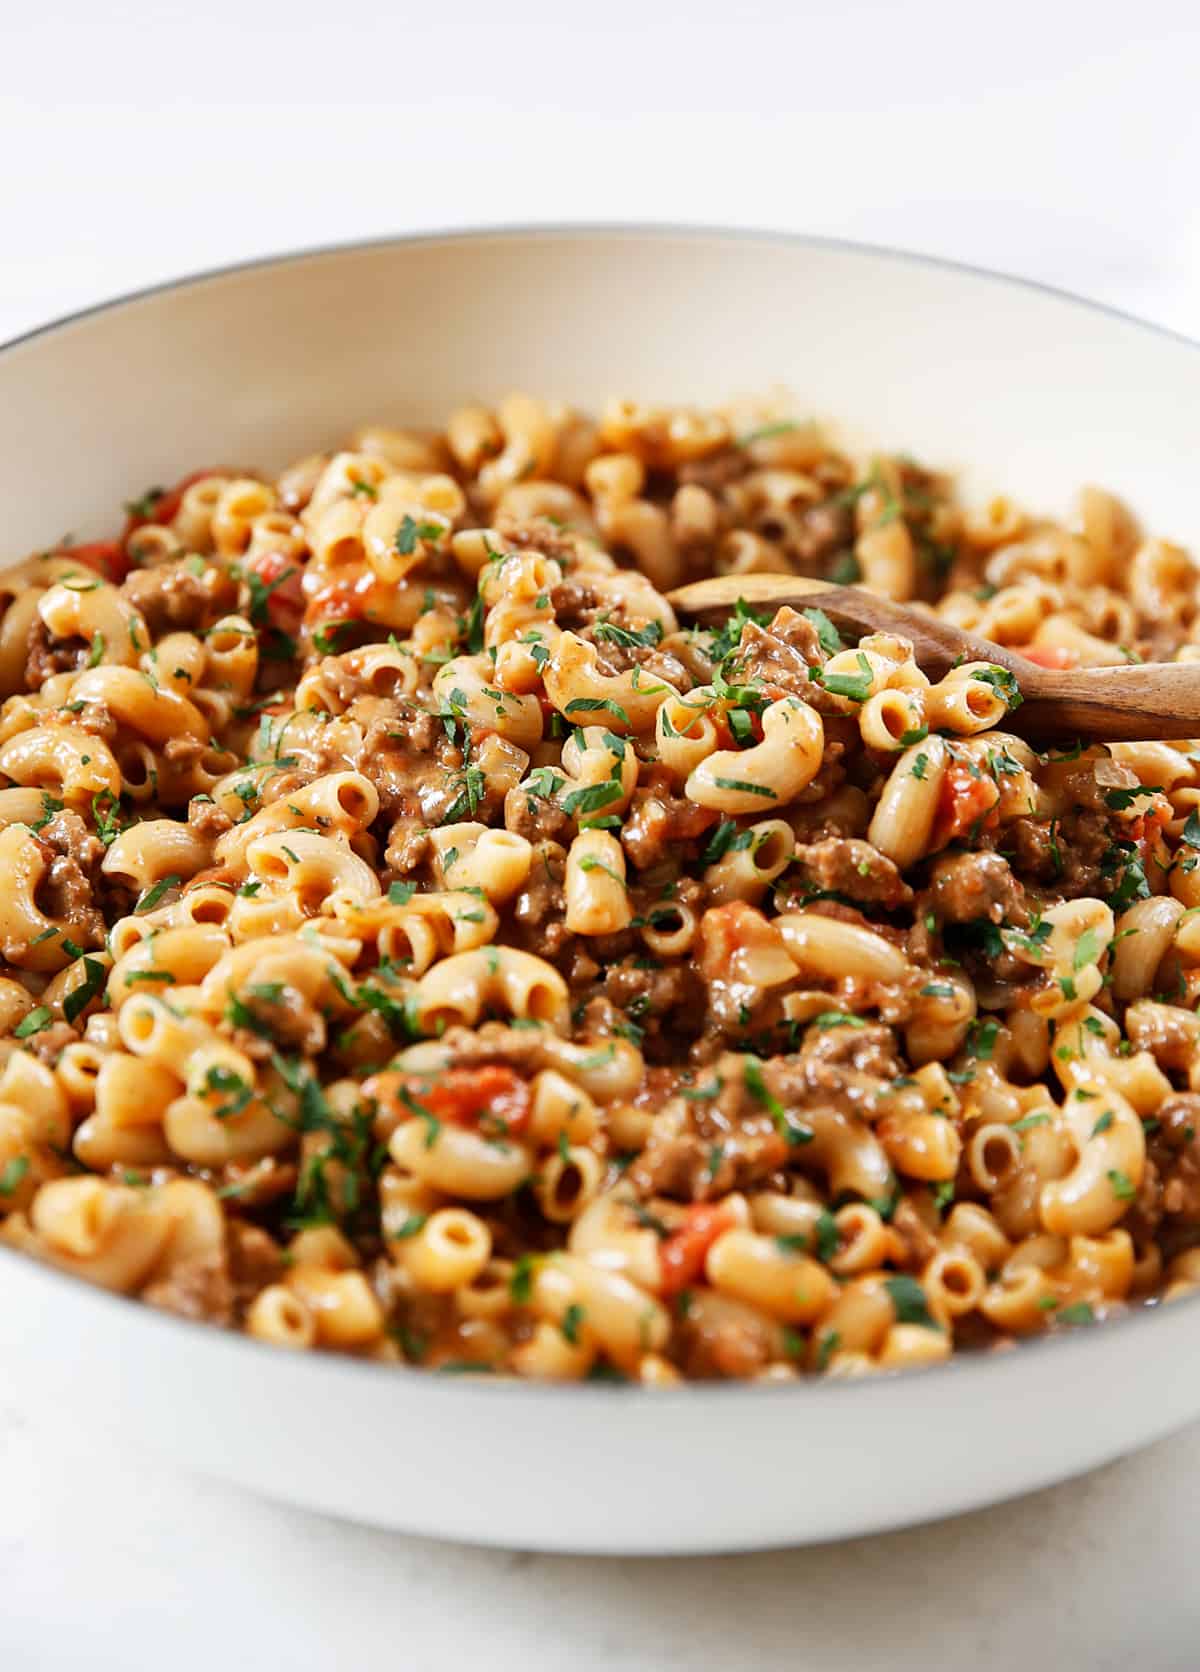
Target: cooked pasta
419 946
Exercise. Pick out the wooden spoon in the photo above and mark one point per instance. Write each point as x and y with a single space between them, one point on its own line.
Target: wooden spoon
1127 704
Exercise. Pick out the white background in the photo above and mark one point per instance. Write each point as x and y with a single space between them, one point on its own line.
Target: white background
1059 140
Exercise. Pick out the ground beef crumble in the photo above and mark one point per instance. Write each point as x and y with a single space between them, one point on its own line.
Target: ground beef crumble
173 596
68 889
49 656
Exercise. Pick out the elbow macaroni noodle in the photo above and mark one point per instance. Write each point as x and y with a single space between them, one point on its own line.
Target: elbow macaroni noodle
417 945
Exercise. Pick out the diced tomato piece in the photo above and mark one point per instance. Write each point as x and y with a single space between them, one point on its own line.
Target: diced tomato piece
343 599
106 557
683 1253
968 798
1147 829
1058 656
164 507
285 601
492 1098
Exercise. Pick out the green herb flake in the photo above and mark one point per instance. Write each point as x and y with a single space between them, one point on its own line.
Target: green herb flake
828 1346
409 1226
826 1237
36 1020
909 1301
643 637
572 1319
80 996
153 895
744 787
1003 683
11 1174
1028 1122
1121 800
981 1039
855 687
1087 949
828 636
520 1283
410 531
1080 1313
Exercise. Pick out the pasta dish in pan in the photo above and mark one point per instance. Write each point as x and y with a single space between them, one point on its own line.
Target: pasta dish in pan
417 944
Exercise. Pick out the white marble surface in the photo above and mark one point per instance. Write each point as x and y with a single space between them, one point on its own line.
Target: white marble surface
1058 141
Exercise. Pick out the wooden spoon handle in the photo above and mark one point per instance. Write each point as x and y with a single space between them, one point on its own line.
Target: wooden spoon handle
1127 704
1136 704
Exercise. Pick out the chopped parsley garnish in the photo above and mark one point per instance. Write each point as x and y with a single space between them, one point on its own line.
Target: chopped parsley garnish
828 636
641 638
260 593
943 1194
726 838
595 705
591 798
105 811
227 1083
11 1174
826 1237
520 1283
590 863
1029 1121
744 787
472 788
50 805
752 1079
1080 1313
1003 683
37 1019
80 996
410 531
153 895
409 1226
240 1013
326 636
1121 800
856 687
910 1301
981 1039
143 508
829 1345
